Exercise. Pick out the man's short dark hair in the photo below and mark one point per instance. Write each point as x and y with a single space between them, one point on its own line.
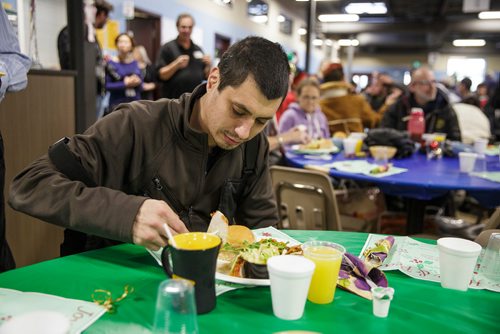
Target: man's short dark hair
264 60
102 6
183 16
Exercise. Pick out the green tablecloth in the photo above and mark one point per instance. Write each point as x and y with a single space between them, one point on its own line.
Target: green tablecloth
418 306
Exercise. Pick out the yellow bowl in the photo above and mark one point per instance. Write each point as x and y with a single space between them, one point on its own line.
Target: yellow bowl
381 152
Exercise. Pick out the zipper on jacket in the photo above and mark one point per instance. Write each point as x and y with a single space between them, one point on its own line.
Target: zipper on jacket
171 200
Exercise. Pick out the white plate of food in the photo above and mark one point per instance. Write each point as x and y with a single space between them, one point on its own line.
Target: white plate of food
319 146
233 264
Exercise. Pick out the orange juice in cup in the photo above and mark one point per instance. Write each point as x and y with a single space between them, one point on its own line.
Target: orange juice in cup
327 256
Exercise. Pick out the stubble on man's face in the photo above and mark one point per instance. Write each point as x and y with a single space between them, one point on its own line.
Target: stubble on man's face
235 115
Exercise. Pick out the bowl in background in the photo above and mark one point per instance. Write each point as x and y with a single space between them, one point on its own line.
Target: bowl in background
379 152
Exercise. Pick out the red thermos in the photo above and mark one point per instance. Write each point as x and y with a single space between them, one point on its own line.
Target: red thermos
416 124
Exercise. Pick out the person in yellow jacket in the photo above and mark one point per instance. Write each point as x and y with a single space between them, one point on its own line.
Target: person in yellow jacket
338 101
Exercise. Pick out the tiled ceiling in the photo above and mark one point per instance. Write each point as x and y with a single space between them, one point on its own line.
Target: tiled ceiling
409 26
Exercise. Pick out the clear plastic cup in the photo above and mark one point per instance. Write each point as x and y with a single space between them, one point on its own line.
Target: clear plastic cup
290 277
327 256
175 308
490 263
457 259
350 146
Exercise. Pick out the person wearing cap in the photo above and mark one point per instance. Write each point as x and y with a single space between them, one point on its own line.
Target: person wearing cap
423 93
181 64
338 101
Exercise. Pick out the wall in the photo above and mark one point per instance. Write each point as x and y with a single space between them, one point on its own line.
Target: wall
50 18
30 121
212 18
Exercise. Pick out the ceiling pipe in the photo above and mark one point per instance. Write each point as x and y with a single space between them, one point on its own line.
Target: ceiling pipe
311 22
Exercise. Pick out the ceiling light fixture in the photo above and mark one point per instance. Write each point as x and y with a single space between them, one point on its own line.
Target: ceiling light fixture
489 15
318 42
348 42
366 7
469 42
281 18
338 18
302 31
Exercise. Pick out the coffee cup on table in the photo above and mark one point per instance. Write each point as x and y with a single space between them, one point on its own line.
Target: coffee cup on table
467 161
194 259
290 277
480 146
457 259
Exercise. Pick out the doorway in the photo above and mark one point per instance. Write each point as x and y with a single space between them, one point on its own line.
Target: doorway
146 29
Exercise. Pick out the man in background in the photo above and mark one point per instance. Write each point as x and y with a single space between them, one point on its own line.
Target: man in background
382 92
182 65
423 93
102 8
13 68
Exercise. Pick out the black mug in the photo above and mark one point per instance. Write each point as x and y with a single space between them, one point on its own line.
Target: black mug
195 259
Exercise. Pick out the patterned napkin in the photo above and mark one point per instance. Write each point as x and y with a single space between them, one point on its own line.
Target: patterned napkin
378 253
358 276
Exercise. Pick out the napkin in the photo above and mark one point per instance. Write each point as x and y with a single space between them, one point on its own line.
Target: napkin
359 167
490 176
81 313
378 253
358 276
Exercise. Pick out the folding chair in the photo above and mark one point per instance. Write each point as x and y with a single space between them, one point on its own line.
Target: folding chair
306 199
343 125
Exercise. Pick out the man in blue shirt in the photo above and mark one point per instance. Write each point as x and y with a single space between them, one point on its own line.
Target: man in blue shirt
13 68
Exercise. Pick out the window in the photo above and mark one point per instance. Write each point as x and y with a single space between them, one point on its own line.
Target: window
461 67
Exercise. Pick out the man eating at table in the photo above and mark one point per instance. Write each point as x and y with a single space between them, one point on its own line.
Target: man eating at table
171 162
424 93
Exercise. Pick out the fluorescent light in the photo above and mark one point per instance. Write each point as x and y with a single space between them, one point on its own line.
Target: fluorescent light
338 18
469 42
348 42
329 42
366 7
489 15
302 31
318 42
259 18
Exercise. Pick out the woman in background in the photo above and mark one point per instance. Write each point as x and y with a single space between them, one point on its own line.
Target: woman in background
123 76
148 72
306 112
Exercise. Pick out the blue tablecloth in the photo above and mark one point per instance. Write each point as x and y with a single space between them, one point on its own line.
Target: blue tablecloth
424 180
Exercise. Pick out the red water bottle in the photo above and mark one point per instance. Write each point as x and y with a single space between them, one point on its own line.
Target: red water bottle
416 124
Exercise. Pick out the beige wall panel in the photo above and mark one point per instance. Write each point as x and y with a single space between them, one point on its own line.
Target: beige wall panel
30 121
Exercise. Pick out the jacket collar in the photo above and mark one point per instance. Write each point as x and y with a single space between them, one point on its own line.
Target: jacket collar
187 102
334 89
